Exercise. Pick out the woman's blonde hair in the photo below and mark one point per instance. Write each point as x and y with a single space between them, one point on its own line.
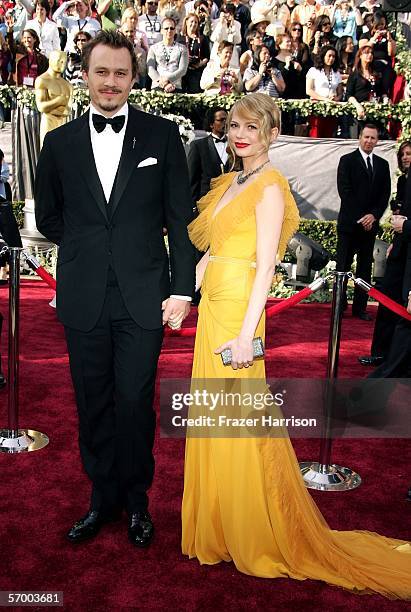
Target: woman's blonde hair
186 18
129 12
262 109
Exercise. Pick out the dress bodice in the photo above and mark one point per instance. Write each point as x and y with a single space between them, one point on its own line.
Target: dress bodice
232 231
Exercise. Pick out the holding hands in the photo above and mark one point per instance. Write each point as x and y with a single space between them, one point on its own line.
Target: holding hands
174 312
397 221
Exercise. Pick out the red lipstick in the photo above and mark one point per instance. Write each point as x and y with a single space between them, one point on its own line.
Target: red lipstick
241 145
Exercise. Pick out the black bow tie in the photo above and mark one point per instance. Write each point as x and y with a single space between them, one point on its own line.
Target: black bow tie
100 122
224 139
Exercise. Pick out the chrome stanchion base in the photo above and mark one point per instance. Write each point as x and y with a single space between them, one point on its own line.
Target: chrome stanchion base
329 478
28 440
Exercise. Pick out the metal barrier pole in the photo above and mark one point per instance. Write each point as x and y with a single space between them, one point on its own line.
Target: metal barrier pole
13 439
323 475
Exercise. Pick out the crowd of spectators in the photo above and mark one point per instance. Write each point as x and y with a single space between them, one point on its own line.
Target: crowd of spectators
313 49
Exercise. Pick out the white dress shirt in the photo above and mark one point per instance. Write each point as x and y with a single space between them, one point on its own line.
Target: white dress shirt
221 148
4 177
107 147
365 155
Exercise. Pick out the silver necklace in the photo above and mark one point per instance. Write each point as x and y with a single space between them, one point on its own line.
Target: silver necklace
242 178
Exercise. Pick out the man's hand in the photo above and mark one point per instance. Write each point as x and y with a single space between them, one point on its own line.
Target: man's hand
163 81
397 221
367 221
175 311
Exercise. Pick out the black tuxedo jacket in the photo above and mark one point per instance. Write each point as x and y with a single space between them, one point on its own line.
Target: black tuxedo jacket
406 237
204 163
360 195
127 232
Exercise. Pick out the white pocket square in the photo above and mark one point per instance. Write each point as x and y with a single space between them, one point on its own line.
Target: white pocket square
150 161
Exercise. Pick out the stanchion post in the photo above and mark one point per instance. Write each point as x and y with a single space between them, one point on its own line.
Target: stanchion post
324 475
13 344
13 439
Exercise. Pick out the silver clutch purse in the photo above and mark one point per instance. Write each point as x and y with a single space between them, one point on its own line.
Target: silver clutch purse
258 351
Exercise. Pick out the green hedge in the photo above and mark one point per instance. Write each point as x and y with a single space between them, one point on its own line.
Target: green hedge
325 233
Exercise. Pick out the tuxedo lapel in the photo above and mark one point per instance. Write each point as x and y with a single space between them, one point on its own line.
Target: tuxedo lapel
215 158
83 156
135 140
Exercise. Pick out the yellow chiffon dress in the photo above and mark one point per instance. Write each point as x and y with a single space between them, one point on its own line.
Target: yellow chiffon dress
244 498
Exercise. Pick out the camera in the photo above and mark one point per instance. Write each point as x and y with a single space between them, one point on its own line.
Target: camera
269 65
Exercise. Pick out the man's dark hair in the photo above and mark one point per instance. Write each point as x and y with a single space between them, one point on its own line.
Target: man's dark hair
112 39
44 4
210 116
370 126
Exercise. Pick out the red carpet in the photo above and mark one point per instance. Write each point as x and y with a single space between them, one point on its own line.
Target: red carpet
44 492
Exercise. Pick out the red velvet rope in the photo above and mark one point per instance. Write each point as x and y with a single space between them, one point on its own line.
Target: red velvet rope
273 310
389 303
289 302
46 277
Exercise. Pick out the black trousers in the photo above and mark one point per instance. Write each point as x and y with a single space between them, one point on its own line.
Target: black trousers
398 361
113 368
386 320
362 243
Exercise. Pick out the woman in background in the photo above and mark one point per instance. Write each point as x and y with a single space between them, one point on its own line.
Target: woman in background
264 76
28 61
198 49
218 76
323 82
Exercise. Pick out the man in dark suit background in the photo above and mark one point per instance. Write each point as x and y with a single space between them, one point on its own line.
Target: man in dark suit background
398 362
364 186
106 185
207 157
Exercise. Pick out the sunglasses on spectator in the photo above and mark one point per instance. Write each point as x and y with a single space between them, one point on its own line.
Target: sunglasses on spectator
297 30
169 28
77 40
155 3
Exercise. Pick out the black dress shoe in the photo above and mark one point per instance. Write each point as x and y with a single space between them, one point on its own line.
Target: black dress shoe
141 529
2 381
89 526
364 316
371 360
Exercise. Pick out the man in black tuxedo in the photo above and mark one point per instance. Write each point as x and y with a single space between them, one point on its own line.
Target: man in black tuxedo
207 157
106 185
364 186
398 362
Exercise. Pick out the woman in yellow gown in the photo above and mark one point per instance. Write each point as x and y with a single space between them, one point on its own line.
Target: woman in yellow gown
244 498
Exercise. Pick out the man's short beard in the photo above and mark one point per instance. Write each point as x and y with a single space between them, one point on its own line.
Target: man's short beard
108 107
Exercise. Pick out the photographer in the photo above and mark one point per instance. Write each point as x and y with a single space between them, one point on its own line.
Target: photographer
201 10
218 76
263 76
384 47
74 73
226 28
322 36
